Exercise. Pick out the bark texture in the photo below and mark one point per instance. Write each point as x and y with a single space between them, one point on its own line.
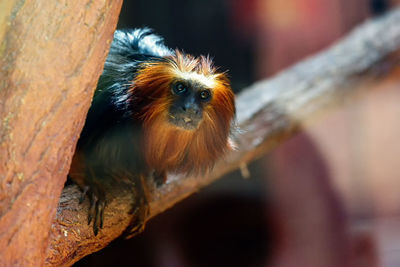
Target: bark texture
268 112
51 55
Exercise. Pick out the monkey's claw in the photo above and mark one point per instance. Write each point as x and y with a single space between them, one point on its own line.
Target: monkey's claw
140 212
137 225
96 207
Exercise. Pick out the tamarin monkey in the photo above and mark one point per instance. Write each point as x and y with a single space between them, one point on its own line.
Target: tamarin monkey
155 111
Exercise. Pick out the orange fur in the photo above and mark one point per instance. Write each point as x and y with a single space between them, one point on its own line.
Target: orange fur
167 147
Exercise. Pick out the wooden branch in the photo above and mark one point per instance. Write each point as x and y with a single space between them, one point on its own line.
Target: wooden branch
268 112
51 55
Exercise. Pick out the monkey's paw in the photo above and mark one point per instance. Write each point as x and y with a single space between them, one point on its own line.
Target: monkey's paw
140 213
96 207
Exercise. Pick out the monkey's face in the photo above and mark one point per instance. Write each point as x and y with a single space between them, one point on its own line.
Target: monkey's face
189 99
187 108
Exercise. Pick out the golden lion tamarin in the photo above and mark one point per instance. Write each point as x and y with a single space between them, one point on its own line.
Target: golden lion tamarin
154 111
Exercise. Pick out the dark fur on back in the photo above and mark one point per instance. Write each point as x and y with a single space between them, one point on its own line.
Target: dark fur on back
110 103
110 132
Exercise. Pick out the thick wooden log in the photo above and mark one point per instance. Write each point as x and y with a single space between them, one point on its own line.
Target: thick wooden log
267 112
51 55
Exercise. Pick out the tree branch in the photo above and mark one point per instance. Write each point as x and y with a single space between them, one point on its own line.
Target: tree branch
268 112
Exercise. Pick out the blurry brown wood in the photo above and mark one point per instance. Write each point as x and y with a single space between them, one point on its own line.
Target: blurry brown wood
268 112
51 55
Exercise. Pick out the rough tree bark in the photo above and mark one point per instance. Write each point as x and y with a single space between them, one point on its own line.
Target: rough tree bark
51 55
268 112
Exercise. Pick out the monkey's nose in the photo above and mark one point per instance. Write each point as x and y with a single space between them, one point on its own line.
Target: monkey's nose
190 108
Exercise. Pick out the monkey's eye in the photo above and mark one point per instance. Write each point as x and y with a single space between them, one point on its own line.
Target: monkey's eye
205 95
180 89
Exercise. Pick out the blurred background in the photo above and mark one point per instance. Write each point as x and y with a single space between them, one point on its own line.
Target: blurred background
329 196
